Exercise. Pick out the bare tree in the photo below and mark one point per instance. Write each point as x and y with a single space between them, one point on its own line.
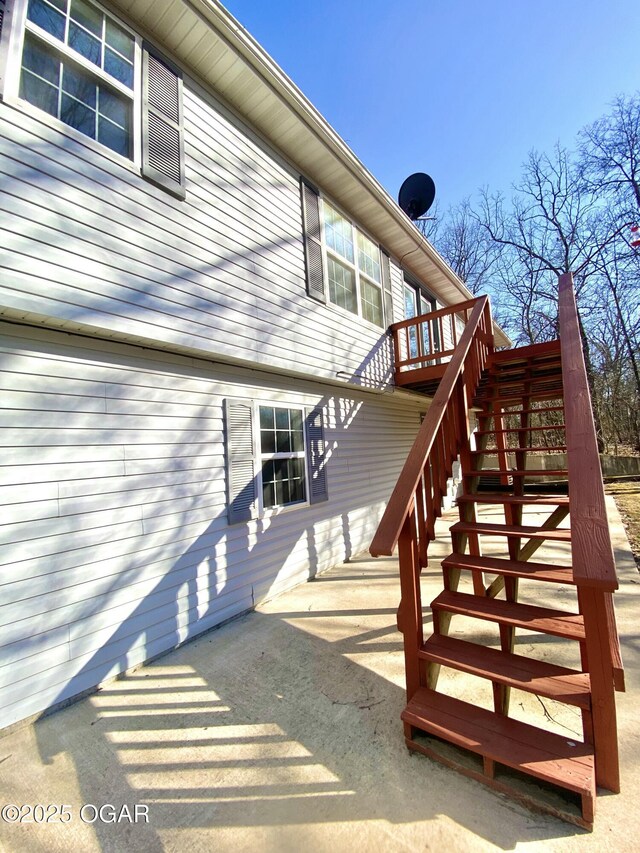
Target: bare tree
610 154
568 213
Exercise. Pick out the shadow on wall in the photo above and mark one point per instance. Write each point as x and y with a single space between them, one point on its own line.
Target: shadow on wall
90 240
223 270
138 588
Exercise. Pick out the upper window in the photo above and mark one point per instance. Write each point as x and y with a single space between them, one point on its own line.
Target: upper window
353 267
78 64
343 265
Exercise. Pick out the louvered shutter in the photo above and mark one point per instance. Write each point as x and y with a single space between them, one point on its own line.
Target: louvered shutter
162 122
240 461
312 241
386 287
1 15
316 456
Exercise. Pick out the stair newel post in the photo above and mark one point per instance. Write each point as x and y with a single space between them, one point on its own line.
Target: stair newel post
411 601
603 706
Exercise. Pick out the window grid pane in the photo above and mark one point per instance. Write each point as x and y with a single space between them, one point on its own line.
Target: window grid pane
89 32
338 233
283 482
342 286
48 17
368 258
371 298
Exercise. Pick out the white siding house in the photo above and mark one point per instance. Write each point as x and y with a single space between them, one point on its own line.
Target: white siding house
196 382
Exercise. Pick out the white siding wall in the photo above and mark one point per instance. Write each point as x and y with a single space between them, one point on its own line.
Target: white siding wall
87 244
114 542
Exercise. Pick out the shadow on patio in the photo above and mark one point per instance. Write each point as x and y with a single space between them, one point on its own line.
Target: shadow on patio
279 731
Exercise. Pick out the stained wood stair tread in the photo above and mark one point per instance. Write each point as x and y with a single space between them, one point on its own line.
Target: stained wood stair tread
559 623
523 673
514 399
511 568
520 429
499 498
545 755
557 534
544 348
540 450
484 414
515 472
550 366
519 400
522 385
516 378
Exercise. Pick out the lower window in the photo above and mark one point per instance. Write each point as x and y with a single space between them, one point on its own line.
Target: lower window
276 456
282 456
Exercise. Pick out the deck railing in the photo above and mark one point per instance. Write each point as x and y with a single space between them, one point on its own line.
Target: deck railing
431 338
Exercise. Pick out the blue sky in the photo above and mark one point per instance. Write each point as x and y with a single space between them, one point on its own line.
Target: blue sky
461 90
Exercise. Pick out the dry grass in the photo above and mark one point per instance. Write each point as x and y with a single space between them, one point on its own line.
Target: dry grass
627 497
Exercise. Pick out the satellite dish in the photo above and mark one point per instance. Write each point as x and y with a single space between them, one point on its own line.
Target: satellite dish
416 195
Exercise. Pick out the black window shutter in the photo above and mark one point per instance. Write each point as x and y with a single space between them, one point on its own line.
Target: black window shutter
162 122
316 456
312 241
386 286
242 502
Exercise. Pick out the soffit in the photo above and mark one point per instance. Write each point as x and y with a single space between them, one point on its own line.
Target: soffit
209 42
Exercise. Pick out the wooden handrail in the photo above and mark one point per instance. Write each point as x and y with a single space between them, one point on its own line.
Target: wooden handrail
593 564
439 438
593 561
433 315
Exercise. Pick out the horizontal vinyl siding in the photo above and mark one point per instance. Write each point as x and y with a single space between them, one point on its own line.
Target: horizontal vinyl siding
89 245
114 541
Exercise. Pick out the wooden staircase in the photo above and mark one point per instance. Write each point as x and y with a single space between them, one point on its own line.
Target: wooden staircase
522 400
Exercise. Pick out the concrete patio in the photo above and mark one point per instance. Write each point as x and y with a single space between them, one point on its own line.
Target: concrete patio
281 731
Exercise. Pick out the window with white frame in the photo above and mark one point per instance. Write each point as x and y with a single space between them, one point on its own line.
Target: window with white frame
276 457
354 272
282 456
76 62
78 65
344 266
